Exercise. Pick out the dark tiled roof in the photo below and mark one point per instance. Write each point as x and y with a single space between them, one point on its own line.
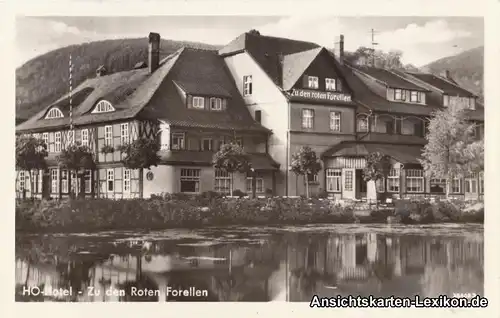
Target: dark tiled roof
389 78
258 161
267 51
294 65
203 88
402 153
440 83
205 69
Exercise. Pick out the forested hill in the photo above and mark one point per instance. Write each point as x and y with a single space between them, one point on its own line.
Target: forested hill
465 68
43 79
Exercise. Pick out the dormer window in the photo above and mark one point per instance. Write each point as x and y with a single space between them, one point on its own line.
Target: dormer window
399 94
312 82
414 97
103 106
215 103
198 102
330 84
54 113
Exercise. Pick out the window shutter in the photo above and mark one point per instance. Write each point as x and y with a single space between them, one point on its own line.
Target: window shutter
189 101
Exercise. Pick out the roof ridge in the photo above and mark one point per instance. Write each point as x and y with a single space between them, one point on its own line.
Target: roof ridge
279 38
405 79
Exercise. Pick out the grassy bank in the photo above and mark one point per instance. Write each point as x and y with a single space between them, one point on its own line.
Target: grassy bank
179 211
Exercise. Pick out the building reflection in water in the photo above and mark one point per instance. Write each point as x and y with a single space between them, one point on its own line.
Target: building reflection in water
288 268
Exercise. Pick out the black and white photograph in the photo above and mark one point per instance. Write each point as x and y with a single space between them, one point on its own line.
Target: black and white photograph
237 158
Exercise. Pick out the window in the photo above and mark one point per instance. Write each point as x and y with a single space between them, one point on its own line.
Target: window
393 181
312 82
71 138
108 135
198 102
307 118
380 185
438 185
45 138
312 178
126 180
258 116
57 141
87 179
362 124
239 141
333 180
221 142
103 106
472 103
456 186
259 184
471 184
215 103
247 85
414 180
54 180
40 180
190 180
414 96
330 84
399 94
22 181
222 182
446 100
85 137
54 113
348 180
33 176
481 182
335 121
64 181
124 133
111 179
206 144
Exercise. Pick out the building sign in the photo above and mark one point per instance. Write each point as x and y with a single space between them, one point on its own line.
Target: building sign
321 96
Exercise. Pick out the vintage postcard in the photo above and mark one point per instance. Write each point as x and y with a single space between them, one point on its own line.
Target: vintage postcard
333 161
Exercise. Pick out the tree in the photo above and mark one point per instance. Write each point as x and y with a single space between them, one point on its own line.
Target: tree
450 151
305 163
376 168
30 155
142 153
78 159
388 60
231 158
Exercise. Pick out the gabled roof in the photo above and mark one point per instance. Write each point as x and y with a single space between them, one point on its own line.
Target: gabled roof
267 51
294 65
389 78
442 84
203 88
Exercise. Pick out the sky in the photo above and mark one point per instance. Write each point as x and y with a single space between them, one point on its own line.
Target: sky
421 39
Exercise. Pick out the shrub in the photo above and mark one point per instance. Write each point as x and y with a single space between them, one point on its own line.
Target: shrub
239 193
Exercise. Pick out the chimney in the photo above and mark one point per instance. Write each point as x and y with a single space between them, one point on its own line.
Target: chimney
446 74
153 51
339 49
101 71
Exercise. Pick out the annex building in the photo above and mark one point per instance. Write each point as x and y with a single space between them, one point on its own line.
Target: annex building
273 96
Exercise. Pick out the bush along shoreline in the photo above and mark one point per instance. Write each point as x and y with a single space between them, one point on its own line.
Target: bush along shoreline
210 209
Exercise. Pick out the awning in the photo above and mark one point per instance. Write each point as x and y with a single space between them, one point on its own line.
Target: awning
405 154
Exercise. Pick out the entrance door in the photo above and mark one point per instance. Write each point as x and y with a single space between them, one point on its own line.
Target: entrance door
348 184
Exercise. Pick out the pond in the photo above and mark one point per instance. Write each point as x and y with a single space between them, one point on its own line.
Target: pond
251 263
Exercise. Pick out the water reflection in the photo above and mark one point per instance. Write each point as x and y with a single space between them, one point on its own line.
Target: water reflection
247 266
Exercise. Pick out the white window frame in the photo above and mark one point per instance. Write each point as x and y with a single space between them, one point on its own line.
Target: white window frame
57 141
416 95
54 112
108 135
64 181
360 126
54 180
84 137
480 186
103 106
71 138
330 84
247 85
126 180
312 178
40 181
87 179
313 82
335 118
393 181
334 180
471 182
192 175
181 137
307 118
222 182
415 179
438 181
446 100
45 138
453 184
198 102
124 133
399 94
259 184
22 180
110 180
210 144
215 103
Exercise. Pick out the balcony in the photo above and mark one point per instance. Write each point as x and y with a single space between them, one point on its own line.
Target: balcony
390 138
